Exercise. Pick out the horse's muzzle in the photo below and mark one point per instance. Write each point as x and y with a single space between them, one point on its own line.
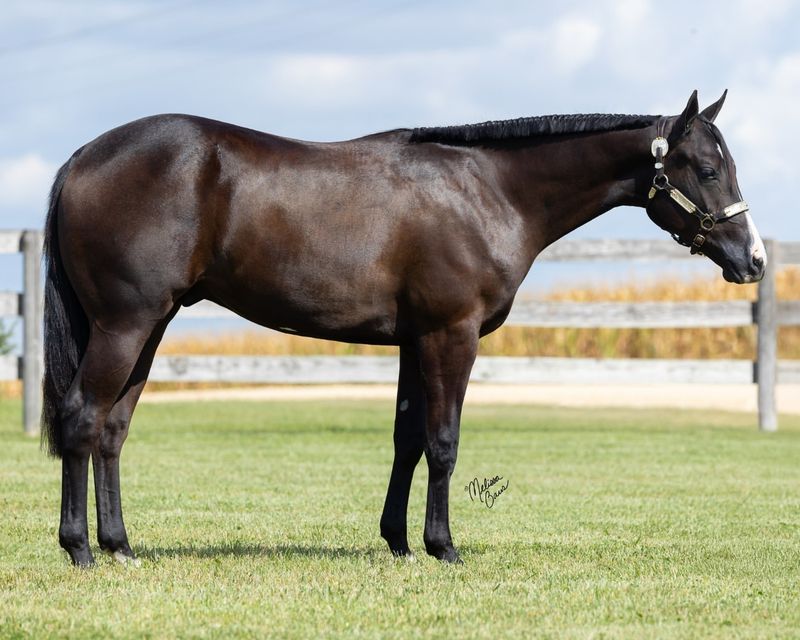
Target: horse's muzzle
753 273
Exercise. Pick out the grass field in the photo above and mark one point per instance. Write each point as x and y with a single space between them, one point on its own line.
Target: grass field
256 520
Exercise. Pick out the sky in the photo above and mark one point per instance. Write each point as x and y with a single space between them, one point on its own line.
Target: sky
329 70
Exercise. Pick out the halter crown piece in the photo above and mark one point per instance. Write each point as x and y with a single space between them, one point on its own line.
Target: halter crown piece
659 148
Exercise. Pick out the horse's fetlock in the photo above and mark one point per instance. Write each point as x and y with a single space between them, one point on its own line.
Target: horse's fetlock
113 540
71 538
435 547
390 531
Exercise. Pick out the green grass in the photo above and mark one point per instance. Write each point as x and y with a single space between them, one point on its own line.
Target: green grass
257 520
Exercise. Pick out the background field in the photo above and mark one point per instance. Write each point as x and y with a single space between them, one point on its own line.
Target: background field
260 519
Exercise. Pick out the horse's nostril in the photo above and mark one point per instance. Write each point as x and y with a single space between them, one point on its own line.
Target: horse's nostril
758 262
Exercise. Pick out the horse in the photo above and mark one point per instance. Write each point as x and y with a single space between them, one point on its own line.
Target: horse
417 238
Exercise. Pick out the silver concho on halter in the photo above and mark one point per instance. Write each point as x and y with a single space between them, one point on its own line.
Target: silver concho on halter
659 144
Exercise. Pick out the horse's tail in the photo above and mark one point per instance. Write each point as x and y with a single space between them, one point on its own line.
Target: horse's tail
66 327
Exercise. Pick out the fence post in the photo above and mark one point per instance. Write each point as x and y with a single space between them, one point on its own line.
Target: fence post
767 357
32 331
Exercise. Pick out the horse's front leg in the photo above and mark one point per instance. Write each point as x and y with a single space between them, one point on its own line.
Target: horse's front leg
409 442
446 358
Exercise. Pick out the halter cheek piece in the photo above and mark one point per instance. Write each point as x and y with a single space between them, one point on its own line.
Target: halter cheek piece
661 183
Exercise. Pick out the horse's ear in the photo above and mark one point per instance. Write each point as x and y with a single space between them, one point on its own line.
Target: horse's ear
711 111
684 120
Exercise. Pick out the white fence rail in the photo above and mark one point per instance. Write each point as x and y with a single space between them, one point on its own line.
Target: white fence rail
767 314
493 369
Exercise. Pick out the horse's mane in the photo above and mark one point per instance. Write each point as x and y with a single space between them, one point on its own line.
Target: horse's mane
530 127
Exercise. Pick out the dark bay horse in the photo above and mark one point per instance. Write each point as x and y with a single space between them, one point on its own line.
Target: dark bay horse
416 238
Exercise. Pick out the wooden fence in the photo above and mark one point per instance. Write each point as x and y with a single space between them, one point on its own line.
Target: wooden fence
27 304
767 314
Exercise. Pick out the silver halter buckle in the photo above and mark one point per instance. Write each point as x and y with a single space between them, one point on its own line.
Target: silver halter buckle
659 143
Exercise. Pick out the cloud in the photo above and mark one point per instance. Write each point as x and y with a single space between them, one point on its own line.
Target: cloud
762 119
566 44
759 12
573 42
25 181
329 80
631 14
432 81
449 84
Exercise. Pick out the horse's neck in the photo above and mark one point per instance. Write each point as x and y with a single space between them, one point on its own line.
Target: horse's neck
562 184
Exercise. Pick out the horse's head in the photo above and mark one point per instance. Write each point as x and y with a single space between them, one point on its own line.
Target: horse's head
695 195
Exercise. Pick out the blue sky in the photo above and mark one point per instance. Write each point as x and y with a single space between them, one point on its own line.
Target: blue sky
330 70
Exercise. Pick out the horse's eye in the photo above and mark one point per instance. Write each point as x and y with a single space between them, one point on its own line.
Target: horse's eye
707 173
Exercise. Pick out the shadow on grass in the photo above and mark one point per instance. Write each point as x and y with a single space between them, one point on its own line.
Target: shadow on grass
290 551
254 550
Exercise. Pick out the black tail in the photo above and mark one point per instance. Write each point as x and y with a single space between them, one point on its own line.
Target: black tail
66 328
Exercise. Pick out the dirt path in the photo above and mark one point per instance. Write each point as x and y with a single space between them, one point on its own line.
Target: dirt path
732 397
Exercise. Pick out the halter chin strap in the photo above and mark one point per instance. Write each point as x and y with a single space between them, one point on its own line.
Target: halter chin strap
659 148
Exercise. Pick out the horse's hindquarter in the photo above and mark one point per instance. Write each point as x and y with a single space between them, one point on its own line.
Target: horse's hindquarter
129 222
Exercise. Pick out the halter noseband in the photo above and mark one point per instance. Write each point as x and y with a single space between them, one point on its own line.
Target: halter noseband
661 183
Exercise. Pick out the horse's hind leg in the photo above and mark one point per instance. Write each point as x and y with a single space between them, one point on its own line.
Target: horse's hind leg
111 355
409 441
111 534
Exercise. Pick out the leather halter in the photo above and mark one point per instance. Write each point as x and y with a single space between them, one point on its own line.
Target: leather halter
661 183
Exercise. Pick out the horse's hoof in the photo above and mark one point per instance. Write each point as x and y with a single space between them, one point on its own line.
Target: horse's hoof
406 555
448 556
125 559
81 558
398 545
451 557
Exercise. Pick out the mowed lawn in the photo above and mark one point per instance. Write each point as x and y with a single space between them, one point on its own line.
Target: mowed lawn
261 520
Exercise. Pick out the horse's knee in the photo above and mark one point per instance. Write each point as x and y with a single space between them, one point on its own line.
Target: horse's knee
441 453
